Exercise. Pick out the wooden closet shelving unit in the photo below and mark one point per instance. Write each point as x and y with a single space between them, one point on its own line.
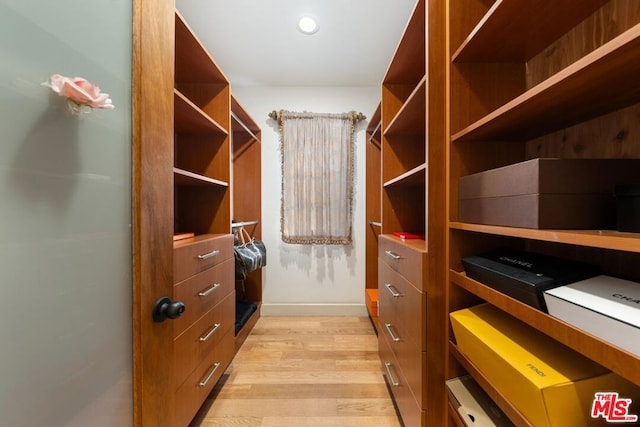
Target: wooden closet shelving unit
203 344
247 200
373 214
217 177
412 308
520 90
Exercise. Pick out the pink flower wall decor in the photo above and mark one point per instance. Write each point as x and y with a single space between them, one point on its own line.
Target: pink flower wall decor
79 93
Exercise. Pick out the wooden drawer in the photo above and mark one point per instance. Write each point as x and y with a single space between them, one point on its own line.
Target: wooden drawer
196 388
192 256
201 292
410 360
407 257
410 411
407 310
199 339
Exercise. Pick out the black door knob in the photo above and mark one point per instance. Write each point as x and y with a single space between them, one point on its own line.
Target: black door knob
165 309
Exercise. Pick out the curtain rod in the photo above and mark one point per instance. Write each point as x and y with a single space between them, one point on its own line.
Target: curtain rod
357 116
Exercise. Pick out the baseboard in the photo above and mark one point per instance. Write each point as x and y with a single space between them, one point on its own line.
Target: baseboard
313 310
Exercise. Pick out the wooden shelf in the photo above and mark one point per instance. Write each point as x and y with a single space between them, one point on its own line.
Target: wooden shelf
242 121
608 355
411 118
539 79
190 119
193 63
604 239
603 81
374 130
183 177
408 63
503 403
511 31
414 177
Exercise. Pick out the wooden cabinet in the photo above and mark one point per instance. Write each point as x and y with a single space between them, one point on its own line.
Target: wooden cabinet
247 202
412 296
203 264
373 214
521 90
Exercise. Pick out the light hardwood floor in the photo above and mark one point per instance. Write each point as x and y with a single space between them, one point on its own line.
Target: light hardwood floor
303 372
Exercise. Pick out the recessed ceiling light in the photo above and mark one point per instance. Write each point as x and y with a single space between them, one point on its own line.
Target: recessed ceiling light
308 25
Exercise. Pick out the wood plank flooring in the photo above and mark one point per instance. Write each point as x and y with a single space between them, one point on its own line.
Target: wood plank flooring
303 372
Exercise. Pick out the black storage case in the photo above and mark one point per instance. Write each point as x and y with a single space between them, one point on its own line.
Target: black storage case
525 275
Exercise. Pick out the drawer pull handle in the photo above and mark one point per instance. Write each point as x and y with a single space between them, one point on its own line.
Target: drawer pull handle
209 254
391 334
204 382
210 333
208 291
392 255
392 290
394 383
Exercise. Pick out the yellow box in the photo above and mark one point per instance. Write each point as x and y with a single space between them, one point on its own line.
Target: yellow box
550 384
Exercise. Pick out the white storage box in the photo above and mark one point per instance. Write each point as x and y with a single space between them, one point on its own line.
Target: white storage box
604 306
475 407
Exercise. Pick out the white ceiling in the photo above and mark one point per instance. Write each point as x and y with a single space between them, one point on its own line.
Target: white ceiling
255 42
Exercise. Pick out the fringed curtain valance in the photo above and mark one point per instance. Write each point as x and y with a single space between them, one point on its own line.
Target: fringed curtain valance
317 176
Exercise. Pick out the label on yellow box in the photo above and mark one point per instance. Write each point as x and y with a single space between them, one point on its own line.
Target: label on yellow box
550 384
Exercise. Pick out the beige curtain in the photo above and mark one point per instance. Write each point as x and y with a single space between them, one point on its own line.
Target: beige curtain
317 177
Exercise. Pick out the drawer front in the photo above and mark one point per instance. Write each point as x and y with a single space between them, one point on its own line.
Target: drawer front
192 256
409 258
402 305
194 344
190 396
201 292
410 411
409 358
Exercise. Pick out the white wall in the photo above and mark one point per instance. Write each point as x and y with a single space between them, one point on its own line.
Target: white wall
309 279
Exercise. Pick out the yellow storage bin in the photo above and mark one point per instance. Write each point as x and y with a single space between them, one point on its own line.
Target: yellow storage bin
550 384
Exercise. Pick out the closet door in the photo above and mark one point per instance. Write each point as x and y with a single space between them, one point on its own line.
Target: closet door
65 217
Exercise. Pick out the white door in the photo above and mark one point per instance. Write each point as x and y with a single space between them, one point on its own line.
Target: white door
65 217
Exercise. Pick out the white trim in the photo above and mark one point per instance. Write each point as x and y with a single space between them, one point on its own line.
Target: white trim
314 310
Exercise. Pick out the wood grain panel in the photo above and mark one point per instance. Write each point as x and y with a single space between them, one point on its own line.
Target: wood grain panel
152 200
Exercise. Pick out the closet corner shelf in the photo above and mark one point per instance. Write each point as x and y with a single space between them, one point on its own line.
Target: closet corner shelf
190 119
242 121
510 30
193 64
604 353
602 81
183 177
412 178
504 403
408 62
411 118
604 239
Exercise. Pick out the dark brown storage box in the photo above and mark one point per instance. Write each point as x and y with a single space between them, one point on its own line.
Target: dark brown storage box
546 193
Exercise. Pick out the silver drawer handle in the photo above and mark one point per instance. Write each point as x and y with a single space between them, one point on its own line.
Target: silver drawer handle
208 291
392 290
394 383
391 334
204 382
210 333
209 254
393 255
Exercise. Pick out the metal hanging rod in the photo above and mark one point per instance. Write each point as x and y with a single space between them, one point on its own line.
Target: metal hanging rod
244 224
241 123
375 130
376 223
